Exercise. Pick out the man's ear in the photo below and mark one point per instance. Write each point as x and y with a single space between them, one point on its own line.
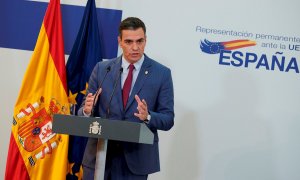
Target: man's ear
119 40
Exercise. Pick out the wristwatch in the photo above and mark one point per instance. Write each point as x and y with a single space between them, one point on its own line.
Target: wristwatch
148 118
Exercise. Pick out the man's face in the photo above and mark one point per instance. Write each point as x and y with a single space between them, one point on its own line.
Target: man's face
133 43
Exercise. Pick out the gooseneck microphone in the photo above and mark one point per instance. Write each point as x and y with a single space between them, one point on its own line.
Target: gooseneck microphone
97 92
113 92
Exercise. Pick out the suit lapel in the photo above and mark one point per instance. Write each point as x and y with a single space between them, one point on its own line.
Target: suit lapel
142 76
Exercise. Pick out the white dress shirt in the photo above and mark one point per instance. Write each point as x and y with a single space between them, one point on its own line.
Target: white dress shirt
136 70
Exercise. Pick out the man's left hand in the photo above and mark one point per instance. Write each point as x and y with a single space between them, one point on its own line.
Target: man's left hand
142 108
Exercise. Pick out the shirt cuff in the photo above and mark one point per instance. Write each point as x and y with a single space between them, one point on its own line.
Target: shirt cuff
86 115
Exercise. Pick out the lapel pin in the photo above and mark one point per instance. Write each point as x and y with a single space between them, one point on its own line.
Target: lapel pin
146 72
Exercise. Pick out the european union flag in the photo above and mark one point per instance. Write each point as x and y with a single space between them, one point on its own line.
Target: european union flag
85 54
211 47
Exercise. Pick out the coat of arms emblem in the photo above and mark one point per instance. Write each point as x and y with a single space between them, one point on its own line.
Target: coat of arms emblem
95 128
35 128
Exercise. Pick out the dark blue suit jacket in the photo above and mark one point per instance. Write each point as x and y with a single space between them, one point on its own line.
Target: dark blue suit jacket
154 84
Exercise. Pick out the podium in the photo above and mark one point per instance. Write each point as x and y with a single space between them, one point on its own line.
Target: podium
104 130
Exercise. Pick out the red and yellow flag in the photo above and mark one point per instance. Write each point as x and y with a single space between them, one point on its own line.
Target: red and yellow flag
35 152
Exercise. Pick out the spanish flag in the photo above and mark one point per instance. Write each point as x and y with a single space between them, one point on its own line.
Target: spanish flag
35 152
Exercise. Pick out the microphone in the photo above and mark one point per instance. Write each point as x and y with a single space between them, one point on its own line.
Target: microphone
97 92
113 92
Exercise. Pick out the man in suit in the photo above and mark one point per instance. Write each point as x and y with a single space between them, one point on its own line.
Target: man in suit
143 93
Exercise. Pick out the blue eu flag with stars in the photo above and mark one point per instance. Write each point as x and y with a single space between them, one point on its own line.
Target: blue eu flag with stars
86 52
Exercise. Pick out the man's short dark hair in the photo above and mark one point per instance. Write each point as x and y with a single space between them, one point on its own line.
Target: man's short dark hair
131 23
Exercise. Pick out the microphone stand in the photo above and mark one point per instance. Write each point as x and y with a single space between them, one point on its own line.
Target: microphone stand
97 92
112 94
102 143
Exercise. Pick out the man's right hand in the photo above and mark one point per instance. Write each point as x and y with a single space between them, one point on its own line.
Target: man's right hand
89 102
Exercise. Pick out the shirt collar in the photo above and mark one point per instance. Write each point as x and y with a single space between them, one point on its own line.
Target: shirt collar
137 65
